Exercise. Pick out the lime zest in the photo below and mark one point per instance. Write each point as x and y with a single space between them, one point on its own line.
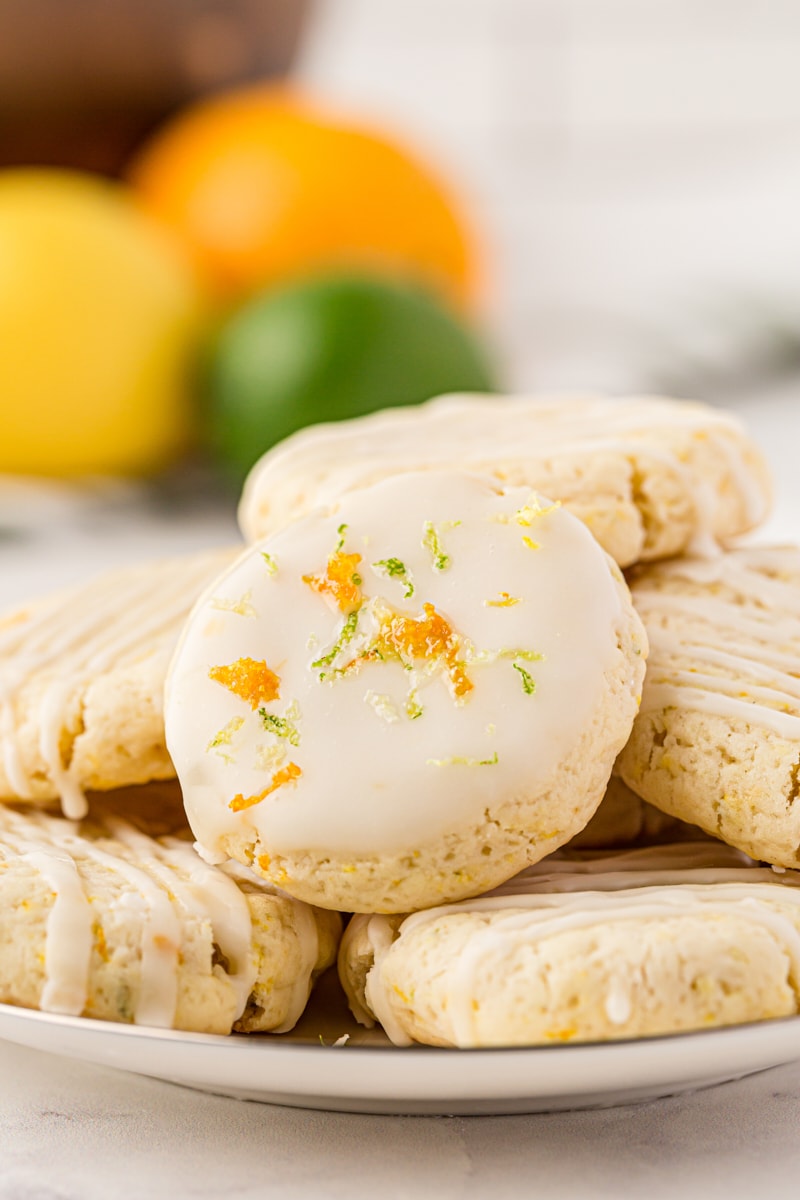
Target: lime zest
285 726
224 737
242 607
269 757
395 568
271 565
383 705
528 682
525 655
347 634
458 761
486 657
432 542
342 532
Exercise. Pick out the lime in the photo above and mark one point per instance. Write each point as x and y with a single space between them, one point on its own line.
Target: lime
330 348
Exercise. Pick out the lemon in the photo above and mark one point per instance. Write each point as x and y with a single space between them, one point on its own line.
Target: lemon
328 348
99 317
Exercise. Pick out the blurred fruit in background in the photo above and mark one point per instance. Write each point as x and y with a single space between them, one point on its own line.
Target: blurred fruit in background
99 317
83 81
264 184
328 348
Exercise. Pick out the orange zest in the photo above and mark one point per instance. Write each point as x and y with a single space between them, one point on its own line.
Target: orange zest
341 581
429 636
287 774
249 680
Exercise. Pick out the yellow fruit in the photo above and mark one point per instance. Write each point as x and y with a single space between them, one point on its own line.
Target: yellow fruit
99 315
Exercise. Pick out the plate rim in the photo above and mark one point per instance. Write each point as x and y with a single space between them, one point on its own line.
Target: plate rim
419 1079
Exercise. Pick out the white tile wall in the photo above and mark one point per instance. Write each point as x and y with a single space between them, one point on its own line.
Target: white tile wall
635 163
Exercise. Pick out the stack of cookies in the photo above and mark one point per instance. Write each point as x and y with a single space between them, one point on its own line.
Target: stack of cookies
422 695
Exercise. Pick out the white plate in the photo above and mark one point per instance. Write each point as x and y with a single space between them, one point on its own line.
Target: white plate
368 1075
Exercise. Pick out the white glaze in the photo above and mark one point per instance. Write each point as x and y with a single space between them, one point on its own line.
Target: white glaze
117 620
560 895
479 433
370 784
732 651
156 891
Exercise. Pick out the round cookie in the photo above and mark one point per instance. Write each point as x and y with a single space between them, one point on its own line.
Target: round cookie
82 681
103 920
717 740
645 942
649 476
406 699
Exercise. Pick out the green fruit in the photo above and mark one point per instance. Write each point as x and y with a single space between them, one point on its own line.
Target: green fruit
327 349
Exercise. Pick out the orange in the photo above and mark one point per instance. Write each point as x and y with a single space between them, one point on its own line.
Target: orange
264 184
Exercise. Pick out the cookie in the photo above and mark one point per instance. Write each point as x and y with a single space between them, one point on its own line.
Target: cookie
82 680
717 740
407 698
103 920
623 819
649 942
650 477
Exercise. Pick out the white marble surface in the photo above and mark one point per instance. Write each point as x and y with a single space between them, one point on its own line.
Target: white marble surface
69 1131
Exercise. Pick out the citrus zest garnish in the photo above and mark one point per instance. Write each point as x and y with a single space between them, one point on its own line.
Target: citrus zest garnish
384 706
225 735
530 543
283 727
433 543
271 565
347 634
528 682
242 607
534 509
394 568
505 601
429 637
287 774
269 758
463 762
248 679
341 581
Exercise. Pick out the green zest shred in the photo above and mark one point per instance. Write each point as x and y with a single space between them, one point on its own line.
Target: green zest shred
347 634
433 543
282 727
463 762
528 682
272 566
393 567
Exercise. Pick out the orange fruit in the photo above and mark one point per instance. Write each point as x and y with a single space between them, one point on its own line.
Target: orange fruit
264 184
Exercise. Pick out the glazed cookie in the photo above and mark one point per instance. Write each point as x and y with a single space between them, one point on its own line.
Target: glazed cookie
650 477
717 741
102 920
646 942
82 680
406 699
